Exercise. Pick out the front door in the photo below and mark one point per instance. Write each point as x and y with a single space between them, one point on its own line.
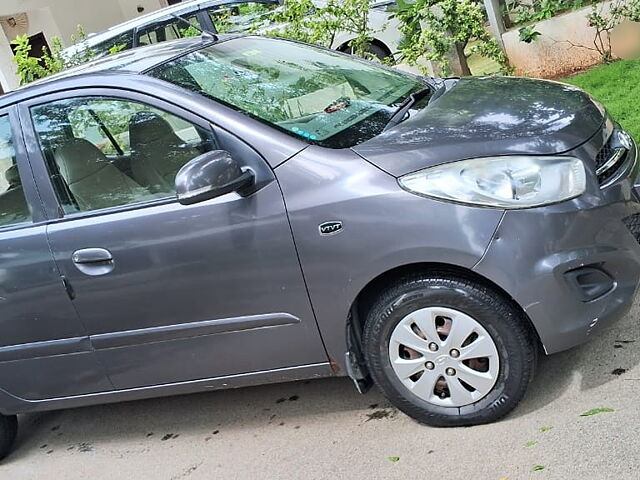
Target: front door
169 292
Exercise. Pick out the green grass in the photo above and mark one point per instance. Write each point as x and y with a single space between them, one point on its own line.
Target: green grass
481 65
617 85
478 64
596 411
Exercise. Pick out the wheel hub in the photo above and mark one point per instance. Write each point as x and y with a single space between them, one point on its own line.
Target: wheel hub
463 375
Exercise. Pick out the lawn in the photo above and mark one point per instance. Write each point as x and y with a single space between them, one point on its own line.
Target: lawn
617 86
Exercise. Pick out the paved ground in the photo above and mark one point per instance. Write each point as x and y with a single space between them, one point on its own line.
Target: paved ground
323 429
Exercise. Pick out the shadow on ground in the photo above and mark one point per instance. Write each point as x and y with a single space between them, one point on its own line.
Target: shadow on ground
609 354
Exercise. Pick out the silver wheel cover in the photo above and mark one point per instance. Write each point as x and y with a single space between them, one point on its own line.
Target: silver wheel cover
437 343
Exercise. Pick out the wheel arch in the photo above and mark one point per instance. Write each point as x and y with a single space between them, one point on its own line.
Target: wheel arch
344 46
365 299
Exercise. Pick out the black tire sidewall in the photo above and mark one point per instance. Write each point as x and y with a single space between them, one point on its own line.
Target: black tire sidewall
8 432
497 316
379 52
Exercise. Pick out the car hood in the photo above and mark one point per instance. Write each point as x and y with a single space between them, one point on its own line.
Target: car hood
479 117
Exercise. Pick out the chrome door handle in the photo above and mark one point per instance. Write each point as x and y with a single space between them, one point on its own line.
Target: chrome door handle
91 255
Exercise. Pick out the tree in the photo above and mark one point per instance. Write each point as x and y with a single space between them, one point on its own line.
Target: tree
604 22
603 19
305 21
432 29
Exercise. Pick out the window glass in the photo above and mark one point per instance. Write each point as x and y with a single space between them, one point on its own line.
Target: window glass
105 152
169 30
13 205
241 17
123 41
322 96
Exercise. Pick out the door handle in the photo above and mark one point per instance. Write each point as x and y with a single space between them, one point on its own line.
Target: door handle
91 255
93 261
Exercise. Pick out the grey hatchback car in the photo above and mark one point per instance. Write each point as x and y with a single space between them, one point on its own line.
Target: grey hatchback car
226 211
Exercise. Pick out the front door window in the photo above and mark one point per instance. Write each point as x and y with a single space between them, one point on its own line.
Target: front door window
104 152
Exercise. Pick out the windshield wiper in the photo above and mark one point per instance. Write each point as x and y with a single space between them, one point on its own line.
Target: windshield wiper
404 107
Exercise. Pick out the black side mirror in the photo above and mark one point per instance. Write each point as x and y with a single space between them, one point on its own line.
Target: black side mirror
211 175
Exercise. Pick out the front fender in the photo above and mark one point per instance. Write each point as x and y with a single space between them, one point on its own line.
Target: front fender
383 227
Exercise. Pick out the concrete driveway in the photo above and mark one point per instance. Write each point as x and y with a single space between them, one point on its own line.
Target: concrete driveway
324 429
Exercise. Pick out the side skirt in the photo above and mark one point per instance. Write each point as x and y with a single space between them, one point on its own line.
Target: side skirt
10 405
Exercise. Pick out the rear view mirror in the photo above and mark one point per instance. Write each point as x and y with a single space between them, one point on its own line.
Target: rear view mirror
211 175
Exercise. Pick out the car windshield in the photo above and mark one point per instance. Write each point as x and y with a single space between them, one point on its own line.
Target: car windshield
324 97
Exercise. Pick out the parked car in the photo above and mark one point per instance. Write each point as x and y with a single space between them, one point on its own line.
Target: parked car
225 16
225 211
162 25
383 26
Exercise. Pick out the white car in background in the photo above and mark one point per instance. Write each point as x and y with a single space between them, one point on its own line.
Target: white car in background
385 27
239 16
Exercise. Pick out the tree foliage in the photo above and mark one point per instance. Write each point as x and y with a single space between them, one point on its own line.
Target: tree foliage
603 19
305 21
433 28
537 10
604 22
30 68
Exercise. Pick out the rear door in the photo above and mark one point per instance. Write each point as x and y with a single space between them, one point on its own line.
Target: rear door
168 292
44 347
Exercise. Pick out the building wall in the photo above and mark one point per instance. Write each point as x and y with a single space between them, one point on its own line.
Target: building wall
61 18
566 45
129 8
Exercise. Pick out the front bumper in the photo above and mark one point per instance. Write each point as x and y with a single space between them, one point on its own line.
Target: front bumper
532 251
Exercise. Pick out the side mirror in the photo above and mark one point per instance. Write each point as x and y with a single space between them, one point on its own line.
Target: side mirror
211 175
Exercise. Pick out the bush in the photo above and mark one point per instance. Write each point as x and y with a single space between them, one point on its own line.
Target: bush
52 61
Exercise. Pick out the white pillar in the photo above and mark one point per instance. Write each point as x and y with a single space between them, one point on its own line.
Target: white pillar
496 21
8 77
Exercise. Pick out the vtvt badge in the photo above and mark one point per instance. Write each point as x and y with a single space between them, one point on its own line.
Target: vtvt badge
330 228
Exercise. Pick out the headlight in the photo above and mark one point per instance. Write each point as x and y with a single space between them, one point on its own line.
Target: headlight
502 182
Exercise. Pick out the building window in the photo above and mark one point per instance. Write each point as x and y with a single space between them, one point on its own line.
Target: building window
38 44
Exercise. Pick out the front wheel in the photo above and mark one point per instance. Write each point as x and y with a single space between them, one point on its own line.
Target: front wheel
449 351
8 432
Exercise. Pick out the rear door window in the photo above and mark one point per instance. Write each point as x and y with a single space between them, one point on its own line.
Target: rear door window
241 17
169 29
13 204
124 41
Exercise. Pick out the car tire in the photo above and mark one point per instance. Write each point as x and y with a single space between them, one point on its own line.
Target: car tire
437 301
377 51
8 432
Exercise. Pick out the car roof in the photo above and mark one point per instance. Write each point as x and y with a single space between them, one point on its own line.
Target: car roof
180 8
129 62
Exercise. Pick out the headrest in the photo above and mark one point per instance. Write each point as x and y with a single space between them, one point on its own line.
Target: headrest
12 176
148 127
79 158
